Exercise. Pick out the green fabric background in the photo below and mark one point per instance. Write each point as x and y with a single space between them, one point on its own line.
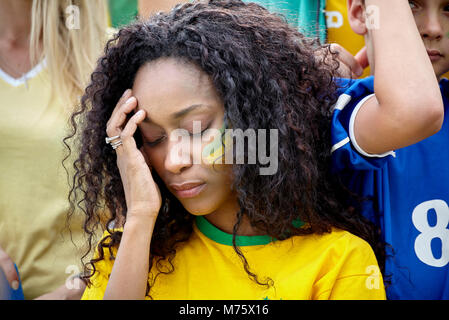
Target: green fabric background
122 12
306 15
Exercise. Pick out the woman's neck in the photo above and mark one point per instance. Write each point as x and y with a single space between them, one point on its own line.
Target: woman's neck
225 218
15 22
15 29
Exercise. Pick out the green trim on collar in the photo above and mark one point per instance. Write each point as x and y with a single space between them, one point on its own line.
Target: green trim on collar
215 234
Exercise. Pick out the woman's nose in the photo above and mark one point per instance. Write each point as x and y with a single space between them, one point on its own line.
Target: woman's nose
179 153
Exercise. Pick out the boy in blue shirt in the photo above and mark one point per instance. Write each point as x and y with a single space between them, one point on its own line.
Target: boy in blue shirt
390 136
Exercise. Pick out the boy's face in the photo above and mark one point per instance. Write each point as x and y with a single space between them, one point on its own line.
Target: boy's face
432 19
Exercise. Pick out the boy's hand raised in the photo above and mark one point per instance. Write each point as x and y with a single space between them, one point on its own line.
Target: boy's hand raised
362 58
350 66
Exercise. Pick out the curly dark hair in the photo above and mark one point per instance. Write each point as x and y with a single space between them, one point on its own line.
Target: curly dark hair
268 76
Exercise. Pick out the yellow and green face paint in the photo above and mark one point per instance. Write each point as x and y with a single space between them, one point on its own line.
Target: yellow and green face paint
215 150
221 149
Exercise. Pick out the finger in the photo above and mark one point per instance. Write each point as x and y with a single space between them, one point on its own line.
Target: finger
117 121
348 59
126 95
362 58
7 265
127 135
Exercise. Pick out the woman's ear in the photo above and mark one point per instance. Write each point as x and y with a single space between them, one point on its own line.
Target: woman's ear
357 16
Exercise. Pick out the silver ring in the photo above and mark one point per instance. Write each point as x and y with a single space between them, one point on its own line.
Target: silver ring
115 145
111 139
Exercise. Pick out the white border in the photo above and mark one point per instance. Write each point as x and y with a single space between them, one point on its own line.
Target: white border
340 144
22 80
352 135
342 101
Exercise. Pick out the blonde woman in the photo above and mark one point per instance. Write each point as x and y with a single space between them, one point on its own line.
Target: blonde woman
47 51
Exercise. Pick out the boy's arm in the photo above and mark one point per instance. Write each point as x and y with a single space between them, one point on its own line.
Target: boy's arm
407 106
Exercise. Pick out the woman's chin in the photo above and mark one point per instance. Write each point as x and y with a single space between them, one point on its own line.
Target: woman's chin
196 209
207 201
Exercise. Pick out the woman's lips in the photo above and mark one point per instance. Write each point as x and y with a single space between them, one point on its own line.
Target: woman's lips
187 190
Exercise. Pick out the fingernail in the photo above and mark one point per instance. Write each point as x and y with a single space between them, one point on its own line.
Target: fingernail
129 100
126 92
139 113
15 285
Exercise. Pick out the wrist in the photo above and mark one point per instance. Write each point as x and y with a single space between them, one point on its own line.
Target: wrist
142 211
139 220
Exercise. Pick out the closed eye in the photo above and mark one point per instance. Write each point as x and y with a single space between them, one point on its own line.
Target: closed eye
199 133
155 142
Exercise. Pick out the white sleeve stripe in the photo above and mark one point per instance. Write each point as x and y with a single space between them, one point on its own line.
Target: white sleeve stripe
352 134
340 144
342 102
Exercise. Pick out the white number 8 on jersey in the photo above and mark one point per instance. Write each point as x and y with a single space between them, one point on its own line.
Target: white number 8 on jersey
423 247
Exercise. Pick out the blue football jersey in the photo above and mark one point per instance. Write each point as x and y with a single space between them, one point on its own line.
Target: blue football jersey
405 192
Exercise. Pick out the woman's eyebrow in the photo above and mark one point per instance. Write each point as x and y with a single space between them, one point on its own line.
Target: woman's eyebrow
179 114
185 111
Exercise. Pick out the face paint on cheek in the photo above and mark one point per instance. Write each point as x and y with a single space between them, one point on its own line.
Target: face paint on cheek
215 150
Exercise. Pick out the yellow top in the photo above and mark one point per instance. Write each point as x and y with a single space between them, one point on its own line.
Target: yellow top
336 265
33 183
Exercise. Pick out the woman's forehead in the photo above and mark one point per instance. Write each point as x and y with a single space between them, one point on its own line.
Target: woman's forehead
167 86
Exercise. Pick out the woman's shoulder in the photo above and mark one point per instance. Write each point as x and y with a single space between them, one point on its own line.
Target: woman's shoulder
336 242
103 244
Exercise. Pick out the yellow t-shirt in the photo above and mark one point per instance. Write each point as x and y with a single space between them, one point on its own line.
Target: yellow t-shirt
337 265
33 184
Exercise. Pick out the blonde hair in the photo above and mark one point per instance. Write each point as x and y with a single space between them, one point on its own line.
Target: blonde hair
70 35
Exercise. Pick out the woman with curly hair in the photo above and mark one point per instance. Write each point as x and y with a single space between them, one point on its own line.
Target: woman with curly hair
183 229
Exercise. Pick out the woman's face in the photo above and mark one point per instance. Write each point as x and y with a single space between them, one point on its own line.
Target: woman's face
181 102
